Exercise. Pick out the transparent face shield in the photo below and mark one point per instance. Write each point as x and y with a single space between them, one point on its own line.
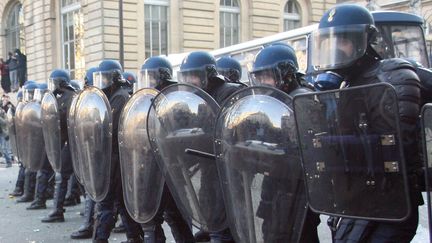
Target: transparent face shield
28 95
197 78
147 78
338 47
52 84
102 80
265 77
38 94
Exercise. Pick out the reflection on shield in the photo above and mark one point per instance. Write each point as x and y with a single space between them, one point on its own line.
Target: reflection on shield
32 136
141 177
51 130
183 117
427 149
10 118
352 152
19 131
73 142
93 135
259 165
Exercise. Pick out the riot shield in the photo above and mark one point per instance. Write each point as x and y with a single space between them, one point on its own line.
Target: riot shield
427 153
10 116
259 165
93 137
51 130
352 152
32 136
183 117
141 177
18 130
72 141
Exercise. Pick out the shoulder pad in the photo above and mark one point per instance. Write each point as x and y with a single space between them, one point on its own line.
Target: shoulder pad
395 63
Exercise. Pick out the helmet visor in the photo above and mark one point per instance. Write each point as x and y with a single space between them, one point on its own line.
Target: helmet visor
195 77
103 80
28 95
147 78
52 84
265 77
38 94
338 47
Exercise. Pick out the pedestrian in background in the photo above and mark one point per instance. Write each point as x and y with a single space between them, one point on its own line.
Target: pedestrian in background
5 81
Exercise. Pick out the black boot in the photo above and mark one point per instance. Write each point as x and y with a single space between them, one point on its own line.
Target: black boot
54 216
74 192
59 196
29 187
17 192
19 186
86 230
38 203
133 240
119 229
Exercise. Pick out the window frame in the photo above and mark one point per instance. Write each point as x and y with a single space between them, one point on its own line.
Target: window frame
292 17
66 64
160 4
233 11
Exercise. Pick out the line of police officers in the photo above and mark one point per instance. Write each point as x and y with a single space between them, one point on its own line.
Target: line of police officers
243 164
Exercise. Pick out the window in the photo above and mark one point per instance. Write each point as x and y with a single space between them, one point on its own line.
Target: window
229 22
14 29
156 27
72 25
292 19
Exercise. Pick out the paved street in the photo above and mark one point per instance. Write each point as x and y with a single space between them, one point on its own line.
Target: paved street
18 225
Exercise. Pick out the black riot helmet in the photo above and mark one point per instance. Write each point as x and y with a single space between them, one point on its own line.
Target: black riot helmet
109 72
156 72
229 68
275 66
59 78
344 37
198 68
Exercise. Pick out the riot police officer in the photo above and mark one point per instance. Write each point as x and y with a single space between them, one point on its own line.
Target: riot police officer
85 231
156 72
199 69
19 186
109 79
344 44
229 68
44 186
59 83
276 66
131 80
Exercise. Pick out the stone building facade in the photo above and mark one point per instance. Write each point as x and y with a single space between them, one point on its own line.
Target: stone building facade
78 34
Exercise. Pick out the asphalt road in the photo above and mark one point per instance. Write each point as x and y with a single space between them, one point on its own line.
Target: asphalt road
18 225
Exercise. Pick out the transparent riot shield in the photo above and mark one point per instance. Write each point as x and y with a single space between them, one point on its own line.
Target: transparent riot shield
427 153
259 165
19 131
141 177
50 118
93 136
10 116
183 117
32 136
72 141
352 152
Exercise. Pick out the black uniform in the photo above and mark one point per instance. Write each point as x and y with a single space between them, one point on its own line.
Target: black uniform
402 76
105 218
